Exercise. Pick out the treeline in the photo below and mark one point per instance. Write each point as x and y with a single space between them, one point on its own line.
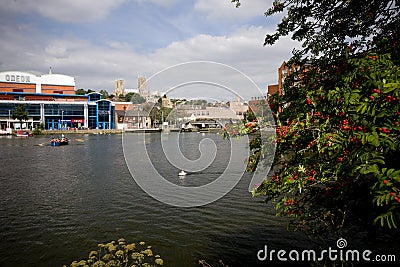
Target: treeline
135 98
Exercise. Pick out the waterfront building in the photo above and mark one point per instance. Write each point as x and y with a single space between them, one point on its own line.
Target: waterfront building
50 100
133 119
131 116
221 114
23 82
239 107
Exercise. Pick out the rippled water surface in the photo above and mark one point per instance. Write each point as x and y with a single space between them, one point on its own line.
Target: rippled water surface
58 203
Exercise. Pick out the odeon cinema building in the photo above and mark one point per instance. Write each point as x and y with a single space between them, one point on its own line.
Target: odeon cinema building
50 99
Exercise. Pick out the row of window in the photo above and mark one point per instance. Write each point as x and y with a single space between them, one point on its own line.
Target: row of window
49 109
99 116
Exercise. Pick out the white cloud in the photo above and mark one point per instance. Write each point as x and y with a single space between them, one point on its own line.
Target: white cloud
225 10
62 48
64 11
96 66
242 49
164 3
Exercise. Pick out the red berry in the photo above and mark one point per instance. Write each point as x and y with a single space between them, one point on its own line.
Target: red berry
385 181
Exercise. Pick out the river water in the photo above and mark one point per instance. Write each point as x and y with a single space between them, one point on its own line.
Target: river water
58 203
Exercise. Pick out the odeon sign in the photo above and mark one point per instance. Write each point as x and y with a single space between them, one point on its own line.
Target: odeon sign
18 78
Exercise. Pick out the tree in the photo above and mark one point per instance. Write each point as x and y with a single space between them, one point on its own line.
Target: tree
20 114
337 157
80 92
104 94
83 91
135 98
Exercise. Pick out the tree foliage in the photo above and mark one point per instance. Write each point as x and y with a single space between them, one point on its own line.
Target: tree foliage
135 98
338 149
104 94
82 91
329 29
20 113
338 145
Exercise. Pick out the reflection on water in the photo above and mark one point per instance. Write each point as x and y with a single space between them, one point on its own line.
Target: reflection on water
58 203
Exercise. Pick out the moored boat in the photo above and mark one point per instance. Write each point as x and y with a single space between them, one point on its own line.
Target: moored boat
23 134
59 141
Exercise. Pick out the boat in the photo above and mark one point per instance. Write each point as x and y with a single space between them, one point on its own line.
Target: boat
23 134
3 132
182 173
59 141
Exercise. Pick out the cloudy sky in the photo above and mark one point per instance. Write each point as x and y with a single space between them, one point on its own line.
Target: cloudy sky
98 42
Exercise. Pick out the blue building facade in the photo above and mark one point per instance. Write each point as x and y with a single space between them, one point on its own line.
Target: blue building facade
58 111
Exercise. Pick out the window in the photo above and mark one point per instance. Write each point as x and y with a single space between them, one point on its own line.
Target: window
94 97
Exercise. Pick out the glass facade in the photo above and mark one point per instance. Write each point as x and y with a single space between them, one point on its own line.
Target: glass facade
7 109
63 116
57 111
92 109
92 97
32 109
105 115
98 114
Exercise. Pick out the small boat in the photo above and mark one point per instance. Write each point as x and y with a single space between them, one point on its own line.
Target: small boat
23 134
182 173
59 141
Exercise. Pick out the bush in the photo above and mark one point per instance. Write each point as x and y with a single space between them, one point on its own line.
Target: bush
120 254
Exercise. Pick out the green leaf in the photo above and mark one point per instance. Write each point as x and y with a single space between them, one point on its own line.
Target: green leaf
387 88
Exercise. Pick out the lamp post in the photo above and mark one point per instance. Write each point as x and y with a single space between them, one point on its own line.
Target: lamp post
138 119
124 119
9 118
62 119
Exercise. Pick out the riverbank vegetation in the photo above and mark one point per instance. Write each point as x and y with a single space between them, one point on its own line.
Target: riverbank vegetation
120 254
338 150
